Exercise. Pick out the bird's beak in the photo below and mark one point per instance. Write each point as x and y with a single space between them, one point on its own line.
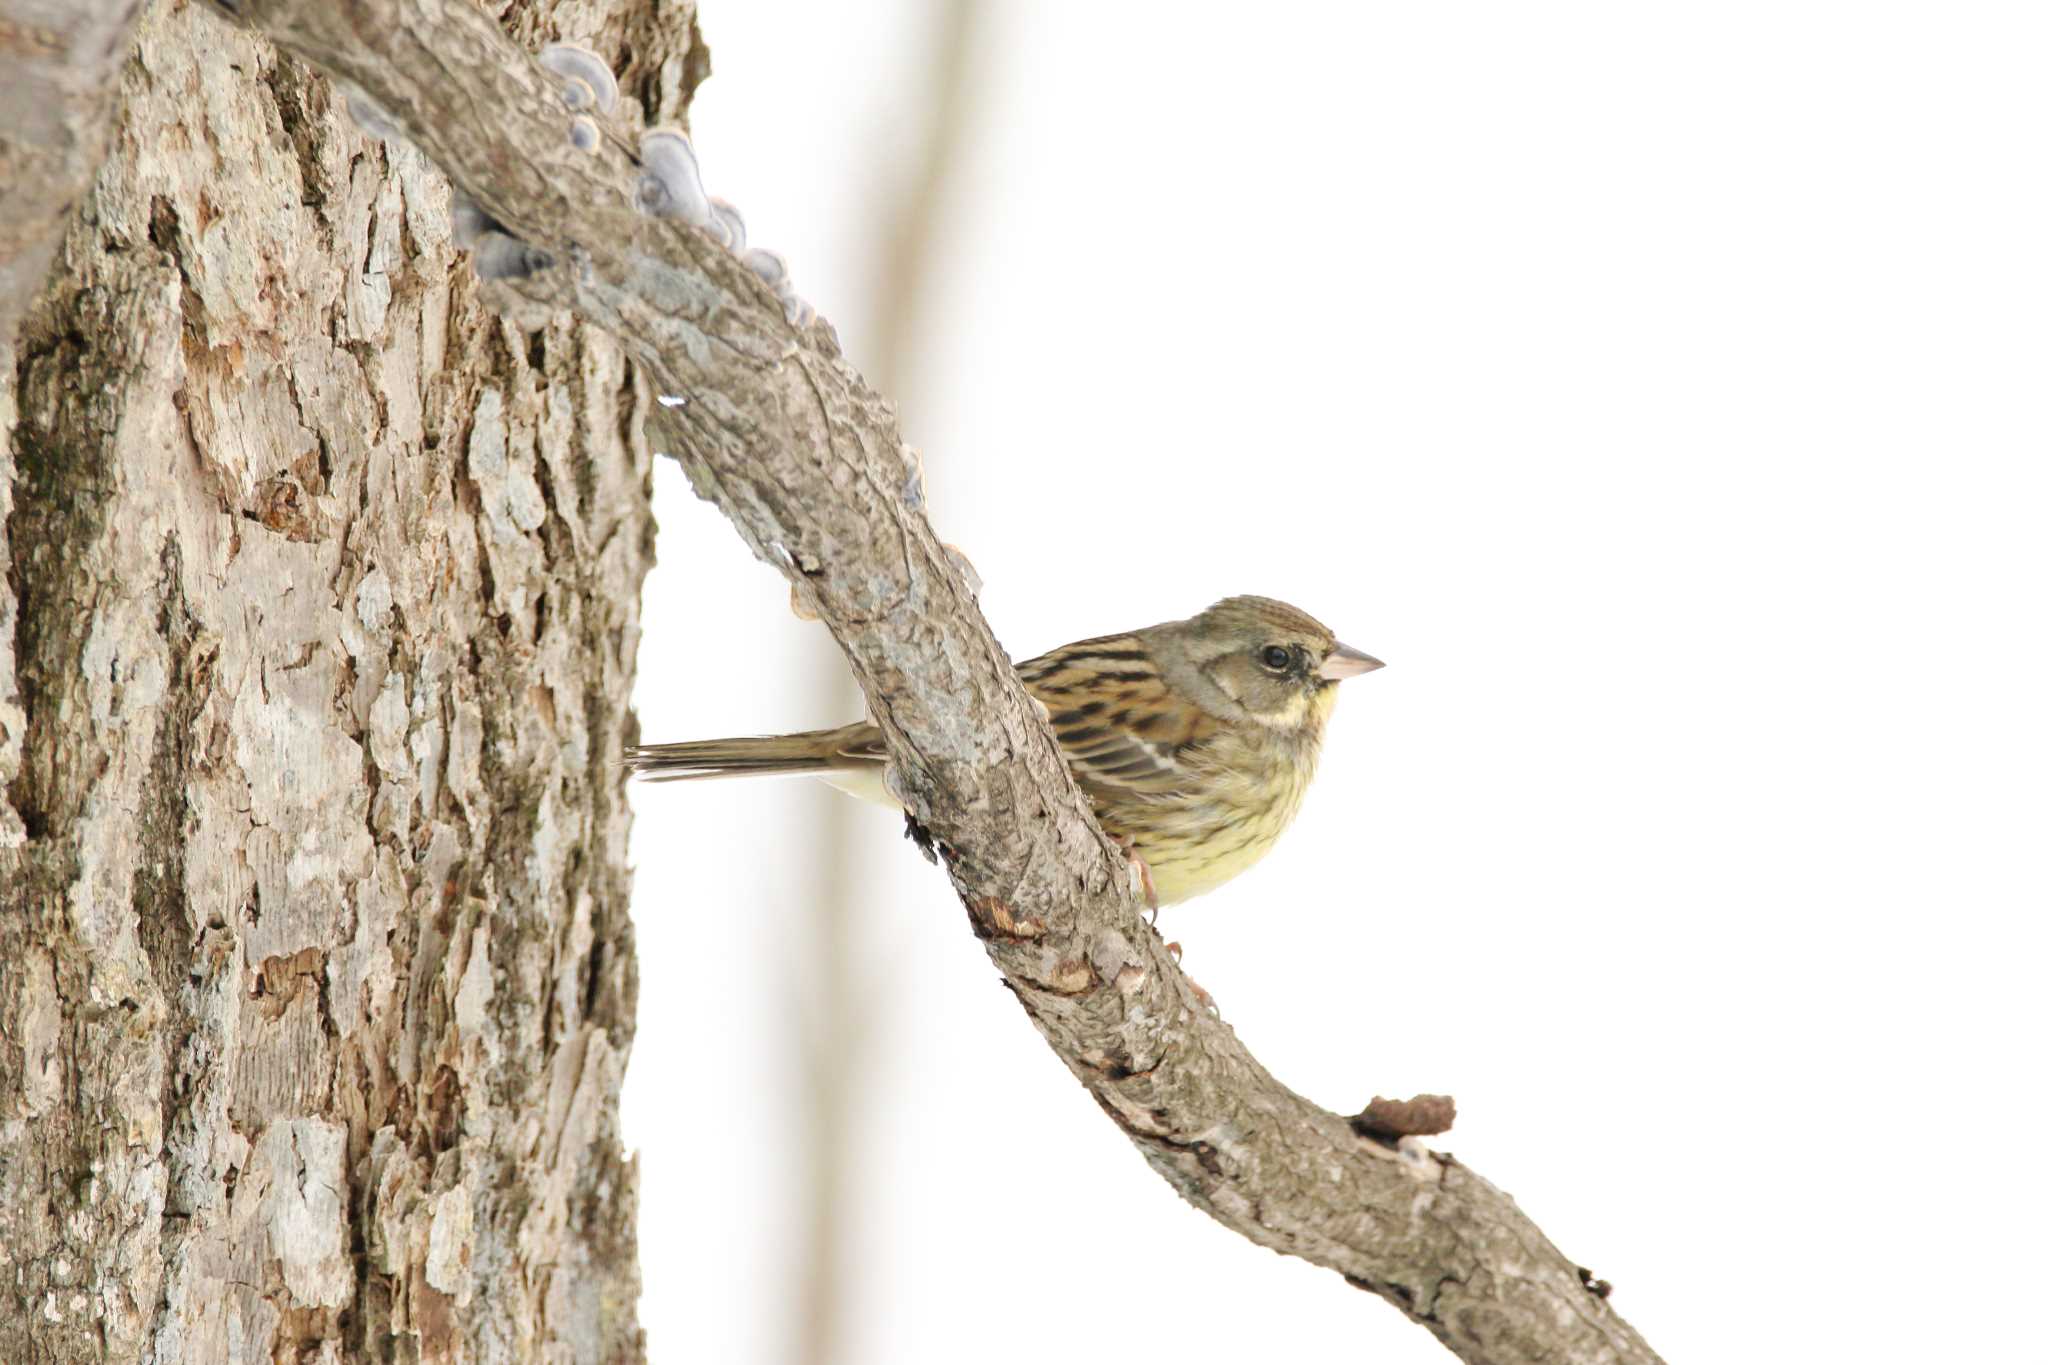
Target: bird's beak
1346 662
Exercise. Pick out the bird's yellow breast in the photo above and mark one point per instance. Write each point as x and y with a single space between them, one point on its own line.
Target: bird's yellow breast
1253 783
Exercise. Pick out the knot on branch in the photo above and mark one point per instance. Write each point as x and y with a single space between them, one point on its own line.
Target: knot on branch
1386 1120
993 919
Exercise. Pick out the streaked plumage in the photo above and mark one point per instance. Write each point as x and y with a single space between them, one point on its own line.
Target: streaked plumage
1195 739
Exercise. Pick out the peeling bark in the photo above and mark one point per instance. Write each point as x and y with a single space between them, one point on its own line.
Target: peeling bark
806 460
316 635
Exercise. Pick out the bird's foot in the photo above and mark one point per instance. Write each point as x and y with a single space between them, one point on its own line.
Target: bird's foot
1202 997
1141 875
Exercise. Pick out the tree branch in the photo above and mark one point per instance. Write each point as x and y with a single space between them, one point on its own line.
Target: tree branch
58 60
777 430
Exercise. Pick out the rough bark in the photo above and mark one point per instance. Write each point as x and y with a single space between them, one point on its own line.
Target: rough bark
807 462
316 634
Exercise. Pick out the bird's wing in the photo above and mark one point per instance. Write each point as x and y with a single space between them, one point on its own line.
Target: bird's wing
1120 727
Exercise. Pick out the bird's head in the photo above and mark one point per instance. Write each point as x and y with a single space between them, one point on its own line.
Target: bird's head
1266 661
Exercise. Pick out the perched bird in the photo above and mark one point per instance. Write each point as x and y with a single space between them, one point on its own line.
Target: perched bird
1194 739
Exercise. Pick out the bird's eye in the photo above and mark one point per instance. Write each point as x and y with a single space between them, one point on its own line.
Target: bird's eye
1279 658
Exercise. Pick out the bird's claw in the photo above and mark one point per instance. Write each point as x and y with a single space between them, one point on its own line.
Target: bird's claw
1141 875
1202 997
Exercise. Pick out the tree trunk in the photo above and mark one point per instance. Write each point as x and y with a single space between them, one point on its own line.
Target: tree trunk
318 625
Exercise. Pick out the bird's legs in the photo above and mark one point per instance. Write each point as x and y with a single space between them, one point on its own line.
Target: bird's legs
1141 882
1202 997
1141 874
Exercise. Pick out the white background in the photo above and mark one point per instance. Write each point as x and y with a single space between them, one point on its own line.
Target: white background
1658 389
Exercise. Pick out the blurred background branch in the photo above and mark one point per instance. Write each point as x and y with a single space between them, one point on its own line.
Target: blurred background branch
837 1040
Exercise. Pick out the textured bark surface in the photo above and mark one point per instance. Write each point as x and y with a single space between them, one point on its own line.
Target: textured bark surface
316 635
806 460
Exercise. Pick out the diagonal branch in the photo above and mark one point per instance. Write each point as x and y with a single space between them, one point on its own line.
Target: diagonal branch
777 430
58 63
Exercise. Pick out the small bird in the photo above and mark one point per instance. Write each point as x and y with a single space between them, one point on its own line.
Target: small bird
1194 739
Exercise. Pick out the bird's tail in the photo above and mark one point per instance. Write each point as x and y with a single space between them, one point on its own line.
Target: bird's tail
810 751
